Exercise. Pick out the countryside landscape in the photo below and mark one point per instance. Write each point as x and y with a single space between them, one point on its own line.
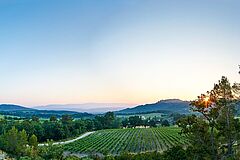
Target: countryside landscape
119 80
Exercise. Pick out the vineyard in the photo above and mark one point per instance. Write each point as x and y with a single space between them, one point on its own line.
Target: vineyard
115 141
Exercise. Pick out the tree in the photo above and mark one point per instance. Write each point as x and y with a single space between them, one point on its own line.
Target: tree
125 122
152 123
35 118
206 106
135 121
53 118
27 125
22 142
33 141
216 124
89 124
51 151
38 131
117 123
66 119
14 142
165 123
11 138
177 116
226 97
105 122
109 118
196 129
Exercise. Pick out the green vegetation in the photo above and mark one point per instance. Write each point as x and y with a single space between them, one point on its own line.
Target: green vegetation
44 130
174 153
212 133
44 114
144 115
215 133
164 106
116 141
20 145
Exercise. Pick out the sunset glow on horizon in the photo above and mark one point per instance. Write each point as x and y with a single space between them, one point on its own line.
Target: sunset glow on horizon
136 52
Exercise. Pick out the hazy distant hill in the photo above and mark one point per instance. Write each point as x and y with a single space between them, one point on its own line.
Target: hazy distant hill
172 105
87 107
20 111
12 107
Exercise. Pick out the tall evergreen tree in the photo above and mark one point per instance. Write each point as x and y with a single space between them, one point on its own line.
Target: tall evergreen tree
33 141
21 142
218 127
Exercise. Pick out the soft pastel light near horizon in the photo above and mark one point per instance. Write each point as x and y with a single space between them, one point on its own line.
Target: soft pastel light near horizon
69 52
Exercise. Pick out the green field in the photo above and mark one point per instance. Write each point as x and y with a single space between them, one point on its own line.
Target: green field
115 141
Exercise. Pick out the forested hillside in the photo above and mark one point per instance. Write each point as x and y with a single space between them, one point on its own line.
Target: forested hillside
169 105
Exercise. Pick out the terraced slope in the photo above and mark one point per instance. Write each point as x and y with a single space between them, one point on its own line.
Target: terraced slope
115 141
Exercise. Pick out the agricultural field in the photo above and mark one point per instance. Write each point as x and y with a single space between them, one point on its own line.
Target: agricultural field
115 141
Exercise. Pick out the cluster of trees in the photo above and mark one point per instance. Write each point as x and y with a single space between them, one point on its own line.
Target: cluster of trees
20 138
14 118
176 117
215 133
15 141
28 113
58 129
134 121
108 121
22 146
49 129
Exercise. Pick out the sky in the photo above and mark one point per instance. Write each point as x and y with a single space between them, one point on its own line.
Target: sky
115 51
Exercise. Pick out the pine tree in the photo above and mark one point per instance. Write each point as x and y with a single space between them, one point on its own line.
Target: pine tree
11 140
21 142
33 141
216 125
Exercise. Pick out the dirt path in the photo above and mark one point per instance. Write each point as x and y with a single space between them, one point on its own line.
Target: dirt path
69 141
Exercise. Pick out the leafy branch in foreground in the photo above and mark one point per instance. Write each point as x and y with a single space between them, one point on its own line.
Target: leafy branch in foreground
214 133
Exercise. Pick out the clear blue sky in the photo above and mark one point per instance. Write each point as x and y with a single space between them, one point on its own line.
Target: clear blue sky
128 51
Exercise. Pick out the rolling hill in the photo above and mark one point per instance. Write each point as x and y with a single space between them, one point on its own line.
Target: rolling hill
94 108
169 105
12 107
21 111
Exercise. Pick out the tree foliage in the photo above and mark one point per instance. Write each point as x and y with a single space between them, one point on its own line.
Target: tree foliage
215 131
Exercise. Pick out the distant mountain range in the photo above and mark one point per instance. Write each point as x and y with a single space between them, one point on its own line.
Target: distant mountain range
169 105
87 110
12 107
21 111
87 107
